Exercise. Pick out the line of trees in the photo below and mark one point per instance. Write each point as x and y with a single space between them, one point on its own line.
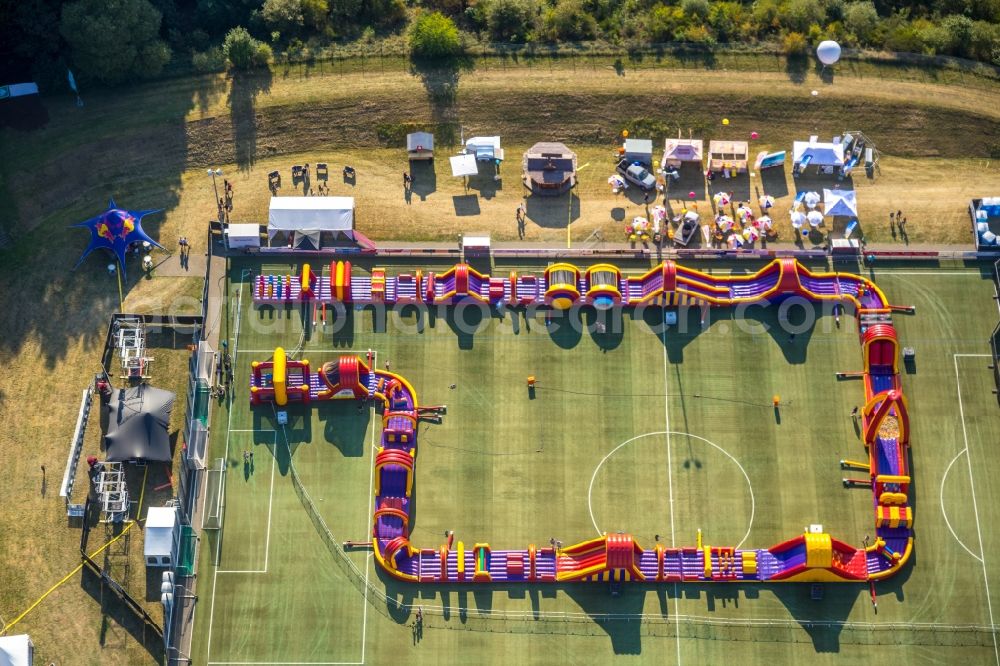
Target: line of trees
114 41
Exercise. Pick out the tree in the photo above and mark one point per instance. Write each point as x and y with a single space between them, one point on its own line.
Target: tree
798 15
285 16
695 9
959 31
114 40
315 13
569 20
794 44
861 20
385 13
243 51
663 23
509 20
434 35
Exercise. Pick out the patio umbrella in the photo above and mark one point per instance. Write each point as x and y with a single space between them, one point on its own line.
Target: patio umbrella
721 199
815 218
725 222
798 219
766 201
764 222
812 198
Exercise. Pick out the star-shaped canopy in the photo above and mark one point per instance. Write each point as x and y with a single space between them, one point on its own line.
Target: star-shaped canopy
115 230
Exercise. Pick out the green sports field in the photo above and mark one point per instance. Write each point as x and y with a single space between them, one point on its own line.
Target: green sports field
631 429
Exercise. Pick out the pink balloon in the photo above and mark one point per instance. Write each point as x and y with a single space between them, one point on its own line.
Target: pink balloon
691 194
754 135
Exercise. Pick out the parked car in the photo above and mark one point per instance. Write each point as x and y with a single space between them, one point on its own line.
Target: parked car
637 175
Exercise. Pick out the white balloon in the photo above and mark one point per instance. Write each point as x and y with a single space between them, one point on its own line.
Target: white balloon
828 52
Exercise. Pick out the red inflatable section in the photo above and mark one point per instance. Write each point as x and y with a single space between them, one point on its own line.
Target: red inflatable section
669 276
788 278
461 280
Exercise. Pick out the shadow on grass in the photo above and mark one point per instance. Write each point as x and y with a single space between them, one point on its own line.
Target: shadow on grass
116 616
466 319
244 90
78 171
344 426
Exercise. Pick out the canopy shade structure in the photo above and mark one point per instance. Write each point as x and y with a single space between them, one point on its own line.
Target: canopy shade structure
549 168
420 145
485 148
842 203
310 215
463 165
818 154
728 155
137 423
677 151
639 150
16 650
115 230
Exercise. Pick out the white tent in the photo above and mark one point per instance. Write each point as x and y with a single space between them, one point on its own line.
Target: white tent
308 217
16 650
463 165
486 148
815 153
242 235
158 549
842 203
677 151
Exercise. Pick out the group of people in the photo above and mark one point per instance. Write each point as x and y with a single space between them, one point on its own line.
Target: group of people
226 201
898 220
185 251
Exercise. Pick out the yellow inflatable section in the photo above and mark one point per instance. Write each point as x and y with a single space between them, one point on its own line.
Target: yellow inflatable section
279 377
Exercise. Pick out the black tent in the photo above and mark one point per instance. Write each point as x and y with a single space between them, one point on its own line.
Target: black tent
137 422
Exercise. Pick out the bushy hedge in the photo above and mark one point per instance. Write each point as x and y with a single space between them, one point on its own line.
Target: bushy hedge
121 40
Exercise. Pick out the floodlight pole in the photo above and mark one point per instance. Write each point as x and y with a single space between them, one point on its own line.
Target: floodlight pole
121 296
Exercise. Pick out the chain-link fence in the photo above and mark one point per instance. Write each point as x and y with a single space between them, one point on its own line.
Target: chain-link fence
995 338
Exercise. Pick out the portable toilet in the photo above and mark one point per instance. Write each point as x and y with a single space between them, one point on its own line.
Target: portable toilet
161 536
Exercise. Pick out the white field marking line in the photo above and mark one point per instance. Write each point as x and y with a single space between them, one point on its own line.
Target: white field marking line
975 504
229 426
593 477
670 486
371 512
285 663
666 428
945 513
270 502
309 350
966 273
